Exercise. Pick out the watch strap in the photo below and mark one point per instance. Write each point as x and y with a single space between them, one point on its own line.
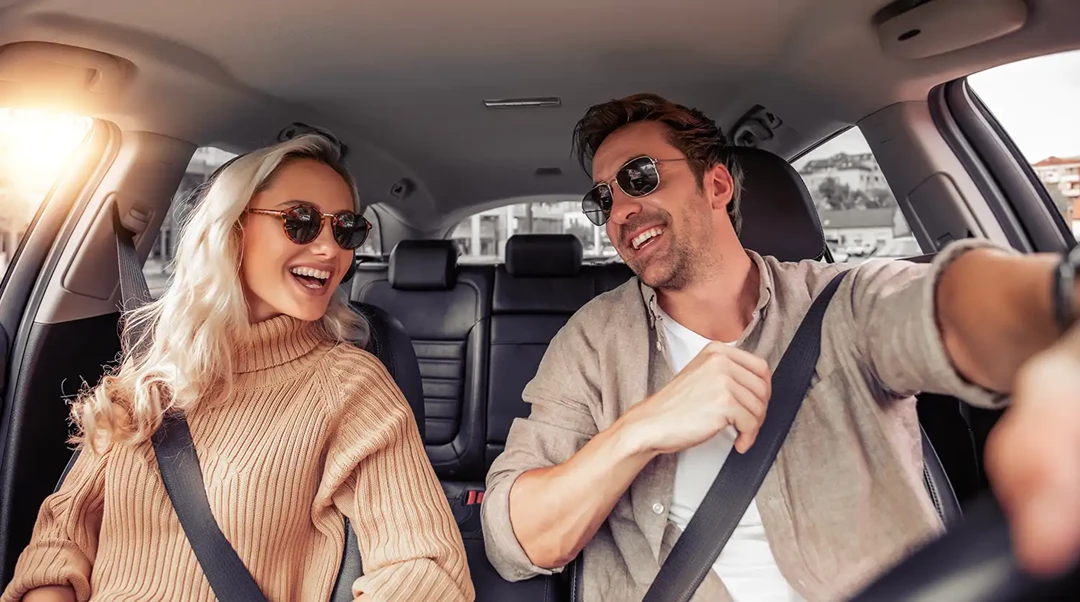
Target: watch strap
1064 289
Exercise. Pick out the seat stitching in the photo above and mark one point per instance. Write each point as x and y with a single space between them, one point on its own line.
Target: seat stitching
932 490
573 583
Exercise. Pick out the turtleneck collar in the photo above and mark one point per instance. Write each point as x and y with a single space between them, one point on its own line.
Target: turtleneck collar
275 342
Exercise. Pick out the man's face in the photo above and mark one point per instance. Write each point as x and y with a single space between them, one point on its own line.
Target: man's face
666 236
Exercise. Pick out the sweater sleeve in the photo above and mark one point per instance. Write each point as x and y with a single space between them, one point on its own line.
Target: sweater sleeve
65 539
381 479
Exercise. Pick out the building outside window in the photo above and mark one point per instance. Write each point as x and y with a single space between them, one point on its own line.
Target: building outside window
858 212
482 237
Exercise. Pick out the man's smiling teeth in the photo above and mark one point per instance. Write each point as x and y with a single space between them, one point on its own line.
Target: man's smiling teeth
310 272
642 238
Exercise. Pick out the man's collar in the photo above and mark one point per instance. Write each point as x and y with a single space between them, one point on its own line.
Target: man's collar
765 288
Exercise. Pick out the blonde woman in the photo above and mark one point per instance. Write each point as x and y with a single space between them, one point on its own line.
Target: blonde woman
295 428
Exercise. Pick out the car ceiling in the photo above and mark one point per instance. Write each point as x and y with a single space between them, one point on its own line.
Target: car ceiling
403 81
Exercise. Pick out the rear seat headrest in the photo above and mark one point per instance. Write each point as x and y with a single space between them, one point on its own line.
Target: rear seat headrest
423 265
543 255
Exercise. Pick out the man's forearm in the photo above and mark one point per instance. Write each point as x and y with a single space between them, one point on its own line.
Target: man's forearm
555 511
995 311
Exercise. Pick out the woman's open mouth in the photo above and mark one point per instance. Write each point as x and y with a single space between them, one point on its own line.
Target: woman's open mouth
311 279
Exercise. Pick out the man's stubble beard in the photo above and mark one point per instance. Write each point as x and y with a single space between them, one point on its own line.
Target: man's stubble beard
675 267
686 259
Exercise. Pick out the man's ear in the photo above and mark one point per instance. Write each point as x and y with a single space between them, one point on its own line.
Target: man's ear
718 186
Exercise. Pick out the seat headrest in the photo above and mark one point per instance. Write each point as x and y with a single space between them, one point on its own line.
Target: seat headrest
543 255
779 217
423 265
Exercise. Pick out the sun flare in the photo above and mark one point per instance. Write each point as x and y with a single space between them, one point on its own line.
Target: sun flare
34 148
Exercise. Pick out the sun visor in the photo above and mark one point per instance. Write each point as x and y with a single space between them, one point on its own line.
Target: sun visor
45 74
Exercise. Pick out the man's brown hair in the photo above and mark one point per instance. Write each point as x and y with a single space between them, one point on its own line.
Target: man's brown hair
689 130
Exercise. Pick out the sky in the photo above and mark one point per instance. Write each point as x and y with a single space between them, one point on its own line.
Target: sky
1037 101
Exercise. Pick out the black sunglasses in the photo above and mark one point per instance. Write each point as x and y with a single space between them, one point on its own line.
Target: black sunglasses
303 223
637 178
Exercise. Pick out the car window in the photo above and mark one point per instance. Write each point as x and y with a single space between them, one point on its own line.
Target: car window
34 148
373 244
158 266
1035 101
904 246
481 238
857 209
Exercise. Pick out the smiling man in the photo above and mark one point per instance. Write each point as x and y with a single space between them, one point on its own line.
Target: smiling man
648 389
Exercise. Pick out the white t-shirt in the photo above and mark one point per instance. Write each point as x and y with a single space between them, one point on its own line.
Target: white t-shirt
746 565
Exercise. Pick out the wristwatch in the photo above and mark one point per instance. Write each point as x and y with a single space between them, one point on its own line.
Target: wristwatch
1065 278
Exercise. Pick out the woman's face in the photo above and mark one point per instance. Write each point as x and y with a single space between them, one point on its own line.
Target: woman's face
280 276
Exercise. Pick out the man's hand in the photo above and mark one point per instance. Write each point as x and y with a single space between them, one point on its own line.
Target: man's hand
722 386
1033 458
556 510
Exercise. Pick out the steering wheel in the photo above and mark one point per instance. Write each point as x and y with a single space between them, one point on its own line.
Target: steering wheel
971 563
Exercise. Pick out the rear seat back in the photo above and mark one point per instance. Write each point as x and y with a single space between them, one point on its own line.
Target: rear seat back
479 333
446 312
541 285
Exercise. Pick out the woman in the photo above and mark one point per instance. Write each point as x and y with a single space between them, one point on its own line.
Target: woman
295 428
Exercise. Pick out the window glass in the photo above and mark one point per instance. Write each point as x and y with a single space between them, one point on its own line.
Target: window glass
482 237
158 266
1035 101
858 211
34 148
373 244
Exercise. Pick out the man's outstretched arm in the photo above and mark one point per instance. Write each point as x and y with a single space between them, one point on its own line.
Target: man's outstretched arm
995 311
998 326
979 324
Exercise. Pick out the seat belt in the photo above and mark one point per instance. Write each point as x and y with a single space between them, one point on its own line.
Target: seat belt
178 463
695 552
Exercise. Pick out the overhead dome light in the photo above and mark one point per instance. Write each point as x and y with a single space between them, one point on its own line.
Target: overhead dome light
523 103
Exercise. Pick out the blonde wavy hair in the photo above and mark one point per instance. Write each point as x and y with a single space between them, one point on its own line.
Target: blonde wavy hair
182 350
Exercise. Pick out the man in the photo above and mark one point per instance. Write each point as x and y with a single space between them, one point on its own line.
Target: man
617 453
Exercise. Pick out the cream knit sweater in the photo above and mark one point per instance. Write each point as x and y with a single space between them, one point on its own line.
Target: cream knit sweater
314 432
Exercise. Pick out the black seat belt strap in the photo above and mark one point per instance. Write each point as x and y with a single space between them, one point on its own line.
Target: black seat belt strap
735 487
182 475
178 463
134 291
